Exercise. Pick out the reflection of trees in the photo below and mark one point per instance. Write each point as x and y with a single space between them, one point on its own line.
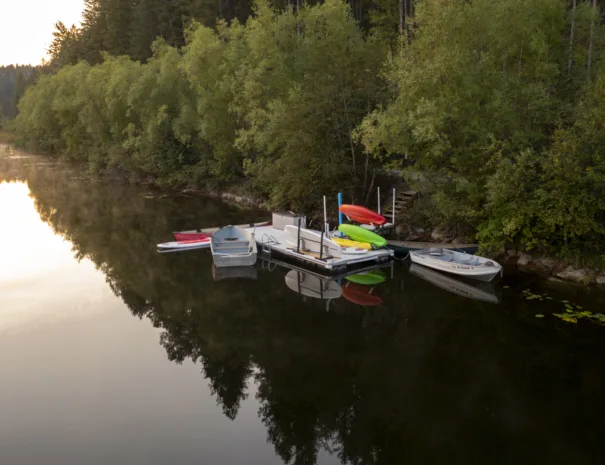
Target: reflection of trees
427 376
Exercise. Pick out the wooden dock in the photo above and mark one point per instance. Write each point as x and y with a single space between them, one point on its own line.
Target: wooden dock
274 241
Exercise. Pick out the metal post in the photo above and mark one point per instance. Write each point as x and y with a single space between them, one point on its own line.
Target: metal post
298 237
321 242
393 217
325 216
378 188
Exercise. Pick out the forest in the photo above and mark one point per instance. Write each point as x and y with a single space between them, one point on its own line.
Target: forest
493 110
13 82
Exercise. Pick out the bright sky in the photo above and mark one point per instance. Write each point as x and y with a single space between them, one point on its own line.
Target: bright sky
26 27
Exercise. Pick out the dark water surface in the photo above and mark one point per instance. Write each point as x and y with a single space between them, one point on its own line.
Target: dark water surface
111 353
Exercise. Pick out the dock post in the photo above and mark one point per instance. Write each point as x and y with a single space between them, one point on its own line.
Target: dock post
339 212
321 242
298 237
393 216
325 217
378 188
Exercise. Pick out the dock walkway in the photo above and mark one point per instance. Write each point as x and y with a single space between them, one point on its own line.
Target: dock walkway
274 241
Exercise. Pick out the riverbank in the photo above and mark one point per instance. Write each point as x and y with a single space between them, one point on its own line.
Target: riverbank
554 268
6 137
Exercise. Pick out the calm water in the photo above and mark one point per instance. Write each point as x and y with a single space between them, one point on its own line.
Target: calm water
112 353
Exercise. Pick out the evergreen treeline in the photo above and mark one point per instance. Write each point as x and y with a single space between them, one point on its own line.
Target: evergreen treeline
120 27
497 107
13 82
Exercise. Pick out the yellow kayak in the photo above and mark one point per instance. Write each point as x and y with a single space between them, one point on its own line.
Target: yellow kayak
349 243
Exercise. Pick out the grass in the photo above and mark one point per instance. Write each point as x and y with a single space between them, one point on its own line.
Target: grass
6 137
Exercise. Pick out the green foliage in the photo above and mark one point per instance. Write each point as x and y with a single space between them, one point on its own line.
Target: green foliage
276 100
302 95
493 104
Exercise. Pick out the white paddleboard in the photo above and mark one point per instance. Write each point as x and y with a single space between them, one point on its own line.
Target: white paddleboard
311 240
185 245
312 286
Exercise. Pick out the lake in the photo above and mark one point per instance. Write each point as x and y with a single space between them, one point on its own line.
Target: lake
112 353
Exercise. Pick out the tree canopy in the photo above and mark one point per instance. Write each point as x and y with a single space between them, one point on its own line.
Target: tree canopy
487 108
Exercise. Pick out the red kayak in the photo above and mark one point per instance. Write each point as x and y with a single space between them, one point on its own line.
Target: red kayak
361 295
362 215
191 236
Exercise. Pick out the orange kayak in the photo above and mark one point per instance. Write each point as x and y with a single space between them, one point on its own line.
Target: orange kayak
362 215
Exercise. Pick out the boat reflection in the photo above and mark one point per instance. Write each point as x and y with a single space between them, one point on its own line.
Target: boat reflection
478 290
246 272
311 285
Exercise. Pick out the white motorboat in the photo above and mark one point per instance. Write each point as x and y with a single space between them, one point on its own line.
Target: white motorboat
463 264
233 246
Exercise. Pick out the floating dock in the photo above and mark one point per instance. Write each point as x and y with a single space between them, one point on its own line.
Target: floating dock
274 241
406 246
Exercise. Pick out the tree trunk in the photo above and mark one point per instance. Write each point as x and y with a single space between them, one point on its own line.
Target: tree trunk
401 17
592 20
571 36
297 18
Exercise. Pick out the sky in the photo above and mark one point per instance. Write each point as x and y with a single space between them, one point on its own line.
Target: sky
26 27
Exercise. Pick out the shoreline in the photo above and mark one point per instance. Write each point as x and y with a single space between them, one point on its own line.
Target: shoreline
555 269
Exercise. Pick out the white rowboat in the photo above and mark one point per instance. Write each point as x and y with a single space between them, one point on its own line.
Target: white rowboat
463 264
233 246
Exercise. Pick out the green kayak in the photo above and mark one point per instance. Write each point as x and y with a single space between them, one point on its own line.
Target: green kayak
369 278
360 234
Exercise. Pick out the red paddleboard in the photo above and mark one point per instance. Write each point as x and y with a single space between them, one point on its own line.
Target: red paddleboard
360 295
191 236
362 215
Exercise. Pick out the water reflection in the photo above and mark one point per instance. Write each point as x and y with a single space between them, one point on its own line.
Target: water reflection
473 289
396 371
